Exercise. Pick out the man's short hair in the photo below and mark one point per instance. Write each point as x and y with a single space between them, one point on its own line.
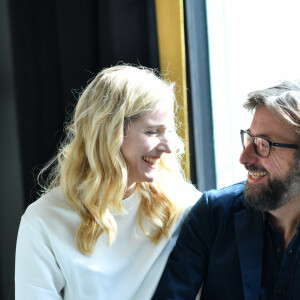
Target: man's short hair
282 100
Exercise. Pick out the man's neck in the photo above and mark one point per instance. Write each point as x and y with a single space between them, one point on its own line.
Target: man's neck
286 219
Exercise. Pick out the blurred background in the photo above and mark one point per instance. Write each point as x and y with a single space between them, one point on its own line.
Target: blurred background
50 49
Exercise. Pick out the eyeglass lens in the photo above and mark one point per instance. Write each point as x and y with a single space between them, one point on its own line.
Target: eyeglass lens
261 145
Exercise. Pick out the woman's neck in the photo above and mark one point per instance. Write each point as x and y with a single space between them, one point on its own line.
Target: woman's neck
129 190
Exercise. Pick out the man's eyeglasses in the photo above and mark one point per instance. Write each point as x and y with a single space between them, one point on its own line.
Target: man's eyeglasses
262 146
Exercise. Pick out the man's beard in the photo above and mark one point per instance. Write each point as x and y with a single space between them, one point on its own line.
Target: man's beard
276 193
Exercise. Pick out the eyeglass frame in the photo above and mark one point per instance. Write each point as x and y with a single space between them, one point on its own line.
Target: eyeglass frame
271 144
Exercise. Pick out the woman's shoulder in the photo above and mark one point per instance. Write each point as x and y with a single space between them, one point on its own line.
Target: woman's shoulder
51 207
53 198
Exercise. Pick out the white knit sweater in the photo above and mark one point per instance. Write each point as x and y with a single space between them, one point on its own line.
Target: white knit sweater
49 265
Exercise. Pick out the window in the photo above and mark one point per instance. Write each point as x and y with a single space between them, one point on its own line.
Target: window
252 45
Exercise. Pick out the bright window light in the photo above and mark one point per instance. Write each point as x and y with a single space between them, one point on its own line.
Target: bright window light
252 45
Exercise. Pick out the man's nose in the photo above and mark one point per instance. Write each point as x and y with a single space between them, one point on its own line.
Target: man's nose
248 155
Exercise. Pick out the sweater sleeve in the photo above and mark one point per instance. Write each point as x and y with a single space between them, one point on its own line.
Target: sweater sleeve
37 274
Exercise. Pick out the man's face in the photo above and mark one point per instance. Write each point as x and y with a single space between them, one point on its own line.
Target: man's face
275 180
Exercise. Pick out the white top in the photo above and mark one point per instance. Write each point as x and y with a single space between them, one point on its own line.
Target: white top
49 265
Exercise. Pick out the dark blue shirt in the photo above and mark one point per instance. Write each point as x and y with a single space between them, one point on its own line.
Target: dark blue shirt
279 265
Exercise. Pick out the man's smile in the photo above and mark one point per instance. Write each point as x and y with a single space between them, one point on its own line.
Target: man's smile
257 175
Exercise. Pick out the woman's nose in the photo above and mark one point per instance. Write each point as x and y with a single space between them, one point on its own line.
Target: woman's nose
164 145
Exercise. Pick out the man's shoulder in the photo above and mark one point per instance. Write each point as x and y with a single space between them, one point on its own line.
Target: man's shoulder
231 192
228 199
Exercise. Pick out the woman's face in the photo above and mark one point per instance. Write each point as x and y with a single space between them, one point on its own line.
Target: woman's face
146 140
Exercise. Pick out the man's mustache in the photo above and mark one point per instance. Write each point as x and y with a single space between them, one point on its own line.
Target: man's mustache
256 168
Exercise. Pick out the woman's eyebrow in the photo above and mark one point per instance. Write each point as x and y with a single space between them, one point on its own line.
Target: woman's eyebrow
156 126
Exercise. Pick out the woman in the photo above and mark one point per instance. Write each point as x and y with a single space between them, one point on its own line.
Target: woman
115 197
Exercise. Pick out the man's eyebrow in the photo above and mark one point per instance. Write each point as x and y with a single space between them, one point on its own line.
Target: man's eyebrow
249 131
261 135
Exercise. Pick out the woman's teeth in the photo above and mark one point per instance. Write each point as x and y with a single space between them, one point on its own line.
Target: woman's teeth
150 160
257 175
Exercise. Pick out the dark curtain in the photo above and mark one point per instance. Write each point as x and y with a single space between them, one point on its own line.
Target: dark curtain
57 46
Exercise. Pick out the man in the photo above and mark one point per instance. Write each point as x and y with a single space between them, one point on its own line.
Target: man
242 242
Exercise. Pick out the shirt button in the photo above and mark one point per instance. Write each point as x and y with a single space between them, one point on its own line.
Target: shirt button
290 252
279 291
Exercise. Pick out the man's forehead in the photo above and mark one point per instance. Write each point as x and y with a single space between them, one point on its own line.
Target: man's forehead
267 124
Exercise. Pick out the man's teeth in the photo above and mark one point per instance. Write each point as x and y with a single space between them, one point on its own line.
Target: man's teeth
257 175
150 159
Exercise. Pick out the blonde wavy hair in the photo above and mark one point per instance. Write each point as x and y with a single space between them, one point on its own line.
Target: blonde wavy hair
90 168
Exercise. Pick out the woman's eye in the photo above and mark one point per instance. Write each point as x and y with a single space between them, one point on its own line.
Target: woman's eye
152 132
